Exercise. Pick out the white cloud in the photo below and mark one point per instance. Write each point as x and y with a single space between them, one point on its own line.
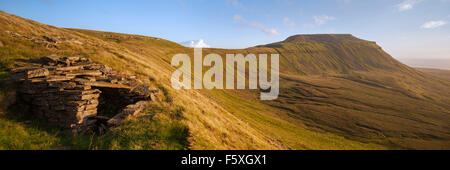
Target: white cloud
196 44
236 4
288 22
433 24
182 4
238 18
323 19
407 5
255 25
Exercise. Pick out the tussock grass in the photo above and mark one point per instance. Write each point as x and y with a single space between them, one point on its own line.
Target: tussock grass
17 135
160 128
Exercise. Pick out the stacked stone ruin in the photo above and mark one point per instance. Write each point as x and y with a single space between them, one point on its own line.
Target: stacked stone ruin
68 91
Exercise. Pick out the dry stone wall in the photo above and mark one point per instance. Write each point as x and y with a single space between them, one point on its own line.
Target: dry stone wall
68 92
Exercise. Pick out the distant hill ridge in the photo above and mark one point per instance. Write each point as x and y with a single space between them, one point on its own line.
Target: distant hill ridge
333 53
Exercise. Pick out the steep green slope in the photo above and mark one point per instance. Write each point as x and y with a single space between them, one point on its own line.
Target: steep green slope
209 126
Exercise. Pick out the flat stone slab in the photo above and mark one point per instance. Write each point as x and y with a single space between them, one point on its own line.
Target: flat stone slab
70 68
103 84
130 110
85 73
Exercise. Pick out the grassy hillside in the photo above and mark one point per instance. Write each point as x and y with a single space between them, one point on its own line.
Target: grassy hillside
209 126
355 89
345 86
337 92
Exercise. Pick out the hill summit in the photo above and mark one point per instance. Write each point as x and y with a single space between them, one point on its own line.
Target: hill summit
329 38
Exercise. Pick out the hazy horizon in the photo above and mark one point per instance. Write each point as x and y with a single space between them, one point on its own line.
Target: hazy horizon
426 63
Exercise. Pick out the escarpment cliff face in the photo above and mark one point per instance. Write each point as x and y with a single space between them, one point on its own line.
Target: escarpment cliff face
75 92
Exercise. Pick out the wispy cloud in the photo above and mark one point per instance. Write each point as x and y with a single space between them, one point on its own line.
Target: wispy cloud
288 22
256 25
344 1
407 5
236 4
182 4
195 44
323 19
285 2
433 24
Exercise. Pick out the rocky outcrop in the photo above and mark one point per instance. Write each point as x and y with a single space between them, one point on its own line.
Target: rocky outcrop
73 92
47 41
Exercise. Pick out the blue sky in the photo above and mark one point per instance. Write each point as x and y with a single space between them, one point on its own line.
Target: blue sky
405 28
